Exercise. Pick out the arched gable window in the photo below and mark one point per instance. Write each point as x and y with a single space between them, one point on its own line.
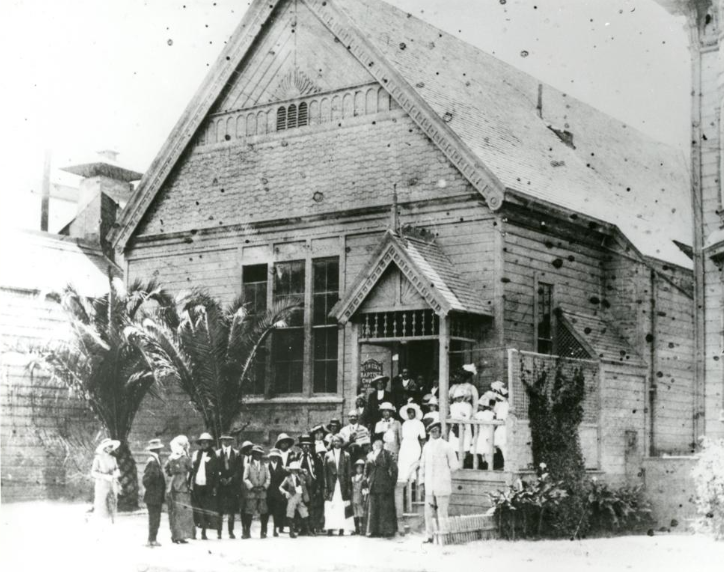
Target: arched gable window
281 118
292 116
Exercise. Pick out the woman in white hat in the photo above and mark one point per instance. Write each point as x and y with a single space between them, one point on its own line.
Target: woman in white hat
484 446
462 410
178 493
501 409
433 410
105 472
390 429
413 437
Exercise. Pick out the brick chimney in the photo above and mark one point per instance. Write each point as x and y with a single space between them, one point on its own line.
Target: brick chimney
105 189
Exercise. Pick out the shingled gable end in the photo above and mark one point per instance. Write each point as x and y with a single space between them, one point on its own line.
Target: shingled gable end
432 206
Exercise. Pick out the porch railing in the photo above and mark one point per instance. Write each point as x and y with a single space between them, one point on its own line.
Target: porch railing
476 438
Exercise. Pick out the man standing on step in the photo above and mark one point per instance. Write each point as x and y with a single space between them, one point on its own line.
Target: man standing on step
437 465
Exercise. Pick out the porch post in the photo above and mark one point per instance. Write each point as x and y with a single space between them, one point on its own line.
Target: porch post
354 363
444 371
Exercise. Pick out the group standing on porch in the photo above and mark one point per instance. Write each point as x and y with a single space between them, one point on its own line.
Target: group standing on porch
337 479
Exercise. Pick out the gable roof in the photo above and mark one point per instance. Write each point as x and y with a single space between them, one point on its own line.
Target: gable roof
496 124
425 266
600 339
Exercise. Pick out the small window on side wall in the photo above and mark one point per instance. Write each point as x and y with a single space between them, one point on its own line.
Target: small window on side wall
544 318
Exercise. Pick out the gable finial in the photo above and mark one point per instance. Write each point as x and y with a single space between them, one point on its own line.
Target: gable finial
395 222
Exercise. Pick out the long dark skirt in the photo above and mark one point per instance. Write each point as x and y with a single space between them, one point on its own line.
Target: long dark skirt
205 507
180 515
316 511
277 509
381 515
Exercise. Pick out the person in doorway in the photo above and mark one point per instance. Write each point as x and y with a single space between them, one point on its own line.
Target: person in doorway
204 482
294 490
381 473
359 495
389 429
276 501
105 473
154 484
228 462
379 396
178 492
434 388
437 465
256 481
338 495
404 389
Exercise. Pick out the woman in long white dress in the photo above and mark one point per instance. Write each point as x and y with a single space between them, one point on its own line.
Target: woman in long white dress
460 409
105 472
484 445
413 433
501 410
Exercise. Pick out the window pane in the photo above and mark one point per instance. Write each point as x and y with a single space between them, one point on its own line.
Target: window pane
544 318
254 287
325 360
288 362
289 284
325 289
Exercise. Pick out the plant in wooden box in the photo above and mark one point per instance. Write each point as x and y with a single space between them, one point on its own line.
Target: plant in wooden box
101 367
209 351
555 413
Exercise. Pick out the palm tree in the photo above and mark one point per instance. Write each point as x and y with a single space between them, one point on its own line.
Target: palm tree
101 367
210 351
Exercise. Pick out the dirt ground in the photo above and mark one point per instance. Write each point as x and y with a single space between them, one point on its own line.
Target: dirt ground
59 537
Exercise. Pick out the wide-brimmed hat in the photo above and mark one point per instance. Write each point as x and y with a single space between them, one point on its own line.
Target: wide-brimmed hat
387 406
487 397
154 445
433 425
499 387
379 378
333 421
406 408
245 446
105 443
275 453
284 438
305 440
360 462
295 466
228 437
257 449
319 427
353 413
470 368
205 437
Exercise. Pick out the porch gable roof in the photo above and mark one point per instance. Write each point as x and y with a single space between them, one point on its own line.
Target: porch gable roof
600 338
427 268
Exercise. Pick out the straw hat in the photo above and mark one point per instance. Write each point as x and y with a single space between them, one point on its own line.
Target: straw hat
376 380
433 401
205 437
404 411
360 462
387 406
284 438
154 445
105 443
433 425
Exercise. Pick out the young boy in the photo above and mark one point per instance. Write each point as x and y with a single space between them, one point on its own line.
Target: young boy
295 490
359 495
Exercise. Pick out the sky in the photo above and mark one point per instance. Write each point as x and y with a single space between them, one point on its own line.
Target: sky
81 76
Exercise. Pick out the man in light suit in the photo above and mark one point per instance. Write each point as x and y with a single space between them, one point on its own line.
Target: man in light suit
256 481
437 465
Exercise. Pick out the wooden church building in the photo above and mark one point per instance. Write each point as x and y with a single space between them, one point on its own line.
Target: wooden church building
431 206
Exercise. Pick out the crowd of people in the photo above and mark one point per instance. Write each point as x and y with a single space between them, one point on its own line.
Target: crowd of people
335 480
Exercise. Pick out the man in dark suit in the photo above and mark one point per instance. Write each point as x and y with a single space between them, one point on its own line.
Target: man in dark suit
155 484
379 396
203 481
381 472
244 460
312 464
404 388
276 502
227 497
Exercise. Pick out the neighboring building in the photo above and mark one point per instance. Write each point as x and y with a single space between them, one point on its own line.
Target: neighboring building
703 22
523 219
39 424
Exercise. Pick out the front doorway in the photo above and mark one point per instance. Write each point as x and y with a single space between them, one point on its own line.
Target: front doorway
419 357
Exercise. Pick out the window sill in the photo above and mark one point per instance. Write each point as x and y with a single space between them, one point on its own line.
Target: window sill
294 399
